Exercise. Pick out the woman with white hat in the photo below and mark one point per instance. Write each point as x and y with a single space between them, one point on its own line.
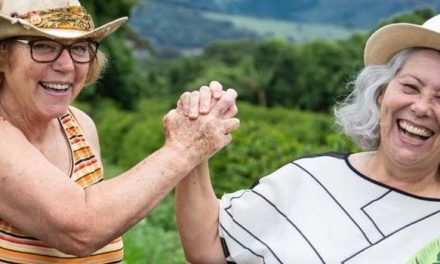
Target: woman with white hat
54 205
381 205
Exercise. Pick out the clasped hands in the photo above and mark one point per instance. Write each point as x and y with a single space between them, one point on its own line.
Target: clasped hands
202 122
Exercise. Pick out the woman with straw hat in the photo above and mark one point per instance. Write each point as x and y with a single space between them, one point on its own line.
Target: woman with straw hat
54 205
381 205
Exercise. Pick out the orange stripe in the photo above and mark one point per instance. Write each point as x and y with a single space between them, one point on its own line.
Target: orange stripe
82 165
75 140
38 259
16 240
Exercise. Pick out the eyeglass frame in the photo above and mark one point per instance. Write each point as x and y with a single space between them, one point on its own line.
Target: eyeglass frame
30 43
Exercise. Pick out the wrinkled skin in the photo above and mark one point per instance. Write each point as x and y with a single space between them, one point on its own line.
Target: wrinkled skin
206 134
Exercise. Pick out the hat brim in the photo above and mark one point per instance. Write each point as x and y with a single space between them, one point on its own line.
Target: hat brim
18 27
390 39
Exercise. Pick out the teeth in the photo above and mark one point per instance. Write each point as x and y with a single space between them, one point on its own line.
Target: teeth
56 86
415 130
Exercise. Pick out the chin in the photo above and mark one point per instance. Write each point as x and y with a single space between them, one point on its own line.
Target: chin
408 158
56 111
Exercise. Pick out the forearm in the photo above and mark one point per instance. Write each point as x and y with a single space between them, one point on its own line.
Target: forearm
123 201
76 221
197 210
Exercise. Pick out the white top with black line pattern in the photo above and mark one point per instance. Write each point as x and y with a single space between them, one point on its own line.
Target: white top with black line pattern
320 209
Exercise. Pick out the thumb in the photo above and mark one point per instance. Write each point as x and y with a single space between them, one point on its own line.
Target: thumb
230 125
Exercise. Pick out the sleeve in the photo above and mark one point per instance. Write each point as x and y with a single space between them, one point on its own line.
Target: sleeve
250 220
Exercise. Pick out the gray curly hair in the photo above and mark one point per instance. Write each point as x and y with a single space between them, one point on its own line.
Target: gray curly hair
358 114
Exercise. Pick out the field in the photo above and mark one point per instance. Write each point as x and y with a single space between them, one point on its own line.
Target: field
284 29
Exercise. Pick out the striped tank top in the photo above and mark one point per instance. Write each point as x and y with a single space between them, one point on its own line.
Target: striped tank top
17 247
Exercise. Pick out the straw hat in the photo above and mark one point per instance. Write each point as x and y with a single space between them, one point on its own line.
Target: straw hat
64 19
390 39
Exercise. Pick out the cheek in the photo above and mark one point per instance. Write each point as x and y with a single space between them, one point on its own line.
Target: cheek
20 64
82 72
386 107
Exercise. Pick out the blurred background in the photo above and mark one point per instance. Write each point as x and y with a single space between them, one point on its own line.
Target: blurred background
289 60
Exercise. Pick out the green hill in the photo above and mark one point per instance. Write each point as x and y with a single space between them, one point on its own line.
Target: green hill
191 25
294 31
355 14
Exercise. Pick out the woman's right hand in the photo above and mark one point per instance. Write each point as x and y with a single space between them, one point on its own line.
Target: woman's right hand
201 137
200 102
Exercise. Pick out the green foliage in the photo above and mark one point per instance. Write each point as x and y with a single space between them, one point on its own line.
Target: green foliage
150 243
229 52
418 16
122 80
272 72
268 139
110 118
430 253
130 136
105 11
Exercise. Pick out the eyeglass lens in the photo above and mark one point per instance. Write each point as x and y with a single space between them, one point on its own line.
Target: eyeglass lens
50 50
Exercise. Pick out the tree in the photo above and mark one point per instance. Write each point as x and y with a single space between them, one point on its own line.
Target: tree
122 80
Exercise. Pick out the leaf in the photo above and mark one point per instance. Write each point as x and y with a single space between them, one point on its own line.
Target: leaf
430 253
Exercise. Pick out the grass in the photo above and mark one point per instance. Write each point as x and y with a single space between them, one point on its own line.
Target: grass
155 238
293 31
149 243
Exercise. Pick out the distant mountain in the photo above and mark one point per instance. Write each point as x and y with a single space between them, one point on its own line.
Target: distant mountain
192 24
171 26
355 13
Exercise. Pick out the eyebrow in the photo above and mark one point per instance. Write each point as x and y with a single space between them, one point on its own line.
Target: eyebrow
414 77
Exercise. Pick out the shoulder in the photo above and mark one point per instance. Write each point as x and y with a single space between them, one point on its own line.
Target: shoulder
84 120
87 125
322 164
307 165
324 161
326 155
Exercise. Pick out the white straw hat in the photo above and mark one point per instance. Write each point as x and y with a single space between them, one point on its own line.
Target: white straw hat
390 39
64 19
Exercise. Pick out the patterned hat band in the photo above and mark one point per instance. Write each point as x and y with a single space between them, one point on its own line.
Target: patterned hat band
73 17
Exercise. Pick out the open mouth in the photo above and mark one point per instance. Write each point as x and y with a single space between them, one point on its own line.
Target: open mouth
414 132
55 87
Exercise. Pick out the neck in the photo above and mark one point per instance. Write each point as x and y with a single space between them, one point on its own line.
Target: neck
420 180
35 128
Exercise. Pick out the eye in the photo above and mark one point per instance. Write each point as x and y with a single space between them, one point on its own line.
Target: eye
45 46
80 48
410 88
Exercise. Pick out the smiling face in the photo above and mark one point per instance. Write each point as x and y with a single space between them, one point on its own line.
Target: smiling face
410 113
42 90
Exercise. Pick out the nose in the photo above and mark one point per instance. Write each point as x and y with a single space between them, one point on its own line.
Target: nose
422 106
64 62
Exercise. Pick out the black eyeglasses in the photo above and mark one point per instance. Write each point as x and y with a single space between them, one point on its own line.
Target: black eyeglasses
48 50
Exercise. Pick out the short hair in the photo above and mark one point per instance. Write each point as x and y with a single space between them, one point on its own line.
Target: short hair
96 67
358 115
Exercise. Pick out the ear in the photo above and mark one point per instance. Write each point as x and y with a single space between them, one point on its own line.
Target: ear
381 95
